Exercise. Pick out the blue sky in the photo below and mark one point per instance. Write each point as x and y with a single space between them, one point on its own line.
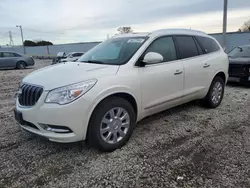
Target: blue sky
64 21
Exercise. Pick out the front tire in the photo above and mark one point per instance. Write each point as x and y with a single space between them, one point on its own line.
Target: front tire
215 93
21 65
111 124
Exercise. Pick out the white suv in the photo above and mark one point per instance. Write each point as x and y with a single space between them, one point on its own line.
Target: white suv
100 97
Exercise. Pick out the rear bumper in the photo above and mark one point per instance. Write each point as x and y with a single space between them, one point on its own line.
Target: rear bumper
30 62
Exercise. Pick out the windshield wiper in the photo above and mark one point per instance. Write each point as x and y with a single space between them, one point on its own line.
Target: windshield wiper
240 49
94 61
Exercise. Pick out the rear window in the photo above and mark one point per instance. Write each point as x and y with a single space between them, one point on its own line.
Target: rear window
7 54
17 55
208 44
187 46
75 55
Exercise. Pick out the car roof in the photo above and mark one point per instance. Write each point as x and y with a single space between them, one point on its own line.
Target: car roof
9 52
165 32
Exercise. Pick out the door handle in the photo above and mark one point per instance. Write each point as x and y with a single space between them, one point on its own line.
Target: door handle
177 72
206 66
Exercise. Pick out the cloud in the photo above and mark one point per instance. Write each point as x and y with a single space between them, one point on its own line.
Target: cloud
83 20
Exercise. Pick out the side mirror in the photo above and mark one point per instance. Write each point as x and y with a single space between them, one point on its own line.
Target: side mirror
152 57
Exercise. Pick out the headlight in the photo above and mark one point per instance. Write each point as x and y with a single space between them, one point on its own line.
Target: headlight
67 94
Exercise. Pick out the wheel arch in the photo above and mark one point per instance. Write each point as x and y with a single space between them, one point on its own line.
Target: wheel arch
122 94
222 75
21 61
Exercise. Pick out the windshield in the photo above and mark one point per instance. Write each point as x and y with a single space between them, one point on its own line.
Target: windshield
115 51
240 52
61 54
69 54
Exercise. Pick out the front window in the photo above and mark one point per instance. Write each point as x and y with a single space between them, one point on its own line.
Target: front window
240 52
116 51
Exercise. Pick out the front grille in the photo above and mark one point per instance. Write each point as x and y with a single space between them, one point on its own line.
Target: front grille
29 94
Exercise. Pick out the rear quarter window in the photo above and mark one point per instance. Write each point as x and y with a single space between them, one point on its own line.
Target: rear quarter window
16 55
208 44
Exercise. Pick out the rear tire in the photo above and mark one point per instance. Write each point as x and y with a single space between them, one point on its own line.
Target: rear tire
215 93
21 65
108 132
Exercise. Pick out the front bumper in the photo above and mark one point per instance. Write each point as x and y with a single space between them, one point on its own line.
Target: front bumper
240 79
239 73
74 116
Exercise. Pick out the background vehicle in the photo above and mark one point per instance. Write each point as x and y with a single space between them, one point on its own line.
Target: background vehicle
239 64
59 56
73 56
118 83
15 60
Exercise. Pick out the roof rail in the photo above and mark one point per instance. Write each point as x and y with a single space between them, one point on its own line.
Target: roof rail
178 29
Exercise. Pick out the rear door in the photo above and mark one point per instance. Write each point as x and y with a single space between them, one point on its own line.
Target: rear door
196 76
213 59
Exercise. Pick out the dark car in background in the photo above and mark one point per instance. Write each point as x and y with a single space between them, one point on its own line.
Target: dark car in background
15 60
239 64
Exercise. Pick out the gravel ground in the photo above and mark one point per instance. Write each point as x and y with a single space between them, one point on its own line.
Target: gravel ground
188 146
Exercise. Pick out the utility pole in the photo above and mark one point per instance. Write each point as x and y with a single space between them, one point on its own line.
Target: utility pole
21 36
11 39
225 25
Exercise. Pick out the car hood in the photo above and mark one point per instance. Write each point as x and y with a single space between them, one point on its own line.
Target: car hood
239 60
59 75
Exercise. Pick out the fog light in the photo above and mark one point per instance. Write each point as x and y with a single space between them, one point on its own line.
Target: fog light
55 128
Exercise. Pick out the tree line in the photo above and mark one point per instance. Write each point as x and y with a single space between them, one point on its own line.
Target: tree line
245 27
37 43
121 30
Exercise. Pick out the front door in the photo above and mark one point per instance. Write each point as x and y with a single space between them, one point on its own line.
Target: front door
162 83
